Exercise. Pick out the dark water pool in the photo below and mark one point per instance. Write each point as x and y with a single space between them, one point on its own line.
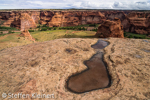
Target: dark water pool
96 76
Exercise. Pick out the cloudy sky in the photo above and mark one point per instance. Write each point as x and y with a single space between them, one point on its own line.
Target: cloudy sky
79 4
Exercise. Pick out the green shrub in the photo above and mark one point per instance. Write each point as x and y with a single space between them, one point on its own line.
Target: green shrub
10 32
31 30
54 28
44 29
95 30
36 39
83 28
49 28
7 28
130 36
44 25
2 34
92 25
79 28
38 26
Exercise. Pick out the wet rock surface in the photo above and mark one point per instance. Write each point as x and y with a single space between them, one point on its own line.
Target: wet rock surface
44 68
95 76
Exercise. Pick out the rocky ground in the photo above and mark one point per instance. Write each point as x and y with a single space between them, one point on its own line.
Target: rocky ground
44 68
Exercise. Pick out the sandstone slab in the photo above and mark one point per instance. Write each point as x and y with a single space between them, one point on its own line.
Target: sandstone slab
44 68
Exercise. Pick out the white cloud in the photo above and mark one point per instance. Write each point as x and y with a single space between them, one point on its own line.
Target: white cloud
88 4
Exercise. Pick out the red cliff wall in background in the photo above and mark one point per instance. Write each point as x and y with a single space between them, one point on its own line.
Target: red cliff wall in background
138 22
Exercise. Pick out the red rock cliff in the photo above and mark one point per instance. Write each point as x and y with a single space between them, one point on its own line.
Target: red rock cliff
137 22
110 29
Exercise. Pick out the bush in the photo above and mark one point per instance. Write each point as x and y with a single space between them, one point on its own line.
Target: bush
49 28
44 25
38 26
83 28
79 28
10 32
95 30
44 29
31 30
130 36
7 28
92 25
36 39
54 28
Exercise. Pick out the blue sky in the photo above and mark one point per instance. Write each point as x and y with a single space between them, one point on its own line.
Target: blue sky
80 4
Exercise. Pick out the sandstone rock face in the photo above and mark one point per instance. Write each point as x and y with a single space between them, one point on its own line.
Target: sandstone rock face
17 19
10 19
27 22
71 18
26 34
110 29
137 22
56 20
45 17
43 68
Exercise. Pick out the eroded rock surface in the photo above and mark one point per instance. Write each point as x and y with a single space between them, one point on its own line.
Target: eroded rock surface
110 29
137 22
27 35
44 68
27 21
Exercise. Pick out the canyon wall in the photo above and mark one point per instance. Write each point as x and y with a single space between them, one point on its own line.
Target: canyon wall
110 29
136 22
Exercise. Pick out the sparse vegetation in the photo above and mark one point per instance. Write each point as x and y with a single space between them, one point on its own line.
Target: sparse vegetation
136 36
3 28
31 30
44 29
55 34
10 32
45 33
95 30
79 27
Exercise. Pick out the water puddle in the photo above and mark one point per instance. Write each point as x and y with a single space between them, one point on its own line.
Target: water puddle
146 50
96 76
145 41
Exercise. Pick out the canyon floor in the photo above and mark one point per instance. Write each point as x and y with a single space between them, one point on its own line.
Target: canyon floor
13 39
44 68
